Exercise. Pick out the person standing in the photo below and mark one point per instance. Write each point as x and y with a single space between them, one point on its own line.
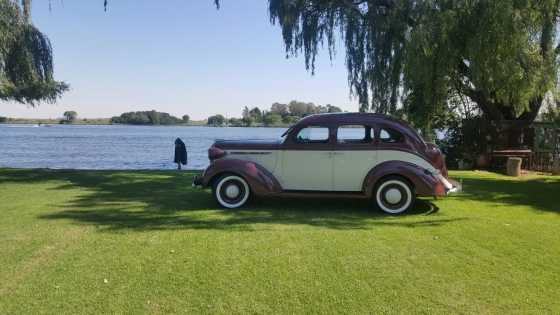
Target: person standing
180 153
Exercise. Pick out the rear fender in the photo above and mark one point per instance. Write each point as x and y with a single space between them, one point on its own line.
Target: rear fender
425 184
261 181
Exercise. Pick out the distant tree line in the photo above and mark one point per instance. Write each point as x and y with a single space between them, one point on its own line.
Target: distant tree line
148 118
278 115
69 117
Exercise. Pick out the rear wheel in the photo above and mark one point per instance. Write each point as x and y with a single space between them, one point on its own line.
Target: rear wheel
394 195
231 191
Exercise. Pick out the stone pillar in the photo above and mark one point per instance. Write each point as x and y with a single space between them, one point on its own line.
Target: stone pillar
514 166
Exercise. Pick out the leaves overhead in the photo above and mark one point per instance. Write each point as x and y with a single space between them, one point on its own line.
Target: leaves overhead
26 65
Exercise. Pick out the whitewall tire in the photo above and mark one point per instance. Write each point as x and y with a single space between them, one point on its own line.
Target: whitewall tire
231 191
394 195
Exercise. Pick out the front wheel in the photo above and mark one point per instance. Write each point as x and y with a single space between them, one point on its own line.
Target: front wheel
394 195
231 191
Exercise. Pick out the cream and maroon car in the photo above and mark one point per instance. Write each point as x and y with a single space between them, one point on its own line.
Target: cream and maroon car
356 155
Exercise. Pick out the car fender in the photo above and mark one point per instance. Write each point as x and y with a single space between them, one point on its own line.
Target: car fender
425 184
261 181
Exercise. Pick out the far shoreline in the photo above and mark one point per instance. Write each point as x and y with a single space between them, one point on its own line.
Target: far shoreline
106 122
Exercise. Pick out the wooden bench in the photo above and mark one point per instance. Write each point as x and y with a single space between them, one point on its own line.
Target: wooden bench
499 157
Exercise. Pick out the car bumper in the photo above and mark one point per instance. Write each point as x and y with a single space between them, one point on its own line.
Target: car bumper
451 186
446 186
456 187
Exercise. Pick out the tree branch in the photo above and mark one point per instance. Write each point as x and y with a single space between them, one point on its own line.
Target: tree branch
478 97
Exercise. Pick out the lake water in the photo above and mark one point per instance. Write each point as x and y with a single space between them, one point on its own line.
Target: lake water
113 147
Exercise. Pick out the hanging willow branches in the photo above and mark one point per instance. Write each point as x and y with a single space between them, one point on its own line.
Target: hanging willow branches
26 65
374 34
417 55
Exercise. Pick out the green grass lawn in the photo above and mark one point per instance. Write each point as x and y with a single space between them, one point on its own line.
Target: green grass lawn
146 242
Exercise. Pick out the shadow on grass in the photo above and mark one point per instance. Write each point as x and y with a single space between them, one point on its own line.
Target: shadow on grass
541 194
151 200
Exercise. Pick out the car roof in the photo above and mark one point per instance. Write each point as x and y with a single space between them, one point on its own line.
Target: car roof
357 118
361 118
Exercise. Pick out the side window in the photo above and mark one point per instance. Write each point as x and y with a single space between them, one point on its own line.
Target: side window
354 134
390 136
313 135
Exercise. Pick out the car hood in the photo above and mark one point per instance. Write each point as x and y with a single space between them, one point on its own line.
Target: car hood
256 144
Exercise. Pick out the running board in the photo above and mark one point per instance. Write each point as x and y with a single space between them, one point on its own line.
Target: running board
321 194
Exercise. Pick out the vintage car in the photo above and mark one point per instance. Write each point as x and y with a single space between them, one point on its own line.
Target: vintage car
360 155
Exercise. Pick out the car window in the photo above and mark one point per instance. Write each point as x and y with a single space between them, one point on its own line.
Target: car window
313 135
388 135
354 134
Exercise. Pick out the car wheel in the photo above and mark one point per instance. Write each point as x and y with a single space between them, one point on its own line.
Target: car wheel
231 191
394 195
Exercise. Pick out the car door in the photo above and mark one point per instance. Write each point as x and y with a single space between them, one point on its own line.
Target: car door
354 155
306 160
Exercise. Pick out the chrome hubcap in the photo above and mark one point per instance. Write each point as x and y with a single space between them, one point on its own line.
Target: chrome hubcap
232 191
393 196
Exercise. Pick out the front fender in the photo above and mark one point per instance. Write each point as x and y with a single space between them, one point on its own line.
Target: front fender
261 181
425 184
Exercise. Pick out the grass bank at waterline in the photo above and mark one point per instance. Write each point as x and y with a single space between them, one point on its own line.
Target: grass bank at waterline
146 242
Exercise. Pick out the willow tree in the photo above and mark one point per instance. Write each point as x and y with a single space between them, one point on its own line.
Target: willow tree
26 65
416 56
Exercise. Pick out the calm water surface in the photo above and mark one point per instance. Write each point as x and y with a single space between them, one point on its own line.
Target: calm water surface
113 147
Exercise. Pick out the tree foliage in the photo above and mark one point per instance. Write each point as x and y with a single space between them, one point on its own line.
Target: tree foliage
282 113
246 117
146 118
256 115
26 66
417 55
302 109
272 119
216 120
280 109
551 110
70 115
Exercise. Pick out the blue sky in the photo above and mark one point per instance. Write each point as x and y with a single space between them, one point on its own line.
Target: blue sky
176 56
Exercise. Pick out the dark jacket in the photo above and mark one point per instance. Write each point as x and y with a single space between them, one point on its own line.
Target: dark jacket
180 152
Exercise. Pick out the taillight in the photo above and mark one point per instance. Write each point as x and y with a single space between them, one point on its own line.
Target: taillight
215 153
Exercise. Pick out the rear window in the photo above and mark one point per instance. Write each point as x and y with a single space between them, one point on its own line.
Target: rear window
388 135
354 134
